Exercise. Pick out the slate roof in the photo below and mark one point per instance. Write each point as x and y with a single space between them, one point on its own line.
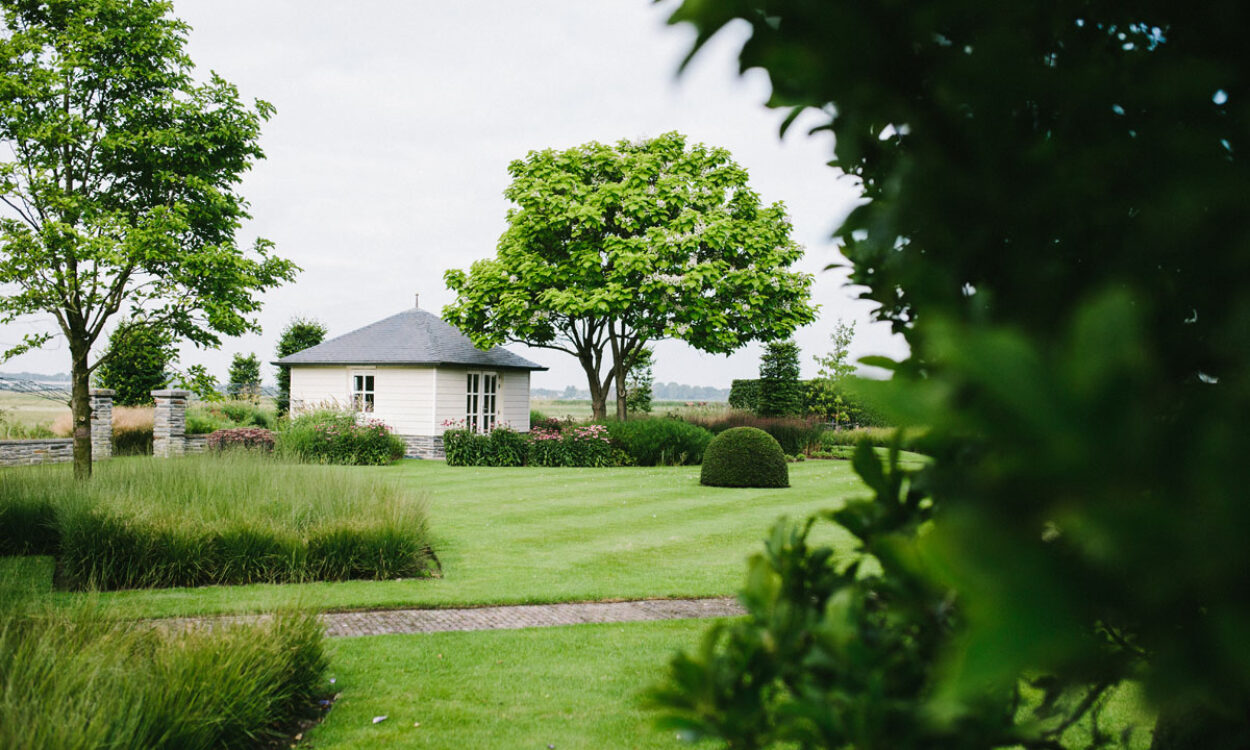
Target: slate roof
412 337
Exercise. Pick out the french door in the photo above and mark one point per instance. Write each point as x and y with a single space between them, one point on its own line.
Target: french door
481 401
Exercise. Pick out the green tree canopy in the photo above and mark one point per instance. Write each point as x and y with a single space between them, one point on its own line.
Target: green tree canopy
138 362
781 394
299 334
244 377
609 248
119 177
1056 221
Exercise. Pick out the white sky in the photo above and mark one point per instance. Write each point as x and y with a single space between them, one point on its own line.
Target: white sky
396 121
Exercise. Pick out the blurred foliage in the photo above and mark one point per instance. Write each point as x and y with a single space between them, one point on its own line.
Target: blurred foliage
1055 220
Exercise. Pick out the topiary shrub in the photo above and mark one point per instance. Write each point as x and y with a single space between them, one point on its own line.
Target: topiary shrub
744 457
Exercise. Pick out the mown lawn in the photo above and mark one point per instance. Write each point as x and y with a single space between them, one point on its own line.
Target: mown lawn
571 687
545 535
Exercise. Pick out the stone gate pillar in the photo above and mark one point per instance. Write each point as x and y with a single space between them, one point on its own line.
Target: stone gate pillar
169 428
102 423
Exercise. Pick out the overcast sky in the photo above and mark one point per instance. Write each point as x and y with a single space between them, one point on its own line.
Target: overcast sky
395 123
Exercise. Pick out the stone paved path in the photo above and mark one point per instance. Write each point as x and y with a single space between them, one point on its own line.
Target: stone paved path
400 621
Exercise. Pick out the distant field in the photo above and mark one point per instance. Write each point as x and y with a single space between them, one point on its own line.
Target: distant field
28 410
580 408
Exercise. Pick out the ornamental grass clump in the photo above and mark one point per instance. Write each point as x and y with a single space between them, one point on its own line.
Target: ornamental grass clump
744 457
331 437
73 679
234 518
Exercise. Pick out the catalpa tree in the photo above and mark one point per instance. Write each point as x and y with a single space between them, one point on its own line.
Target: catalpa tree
610 248
119 180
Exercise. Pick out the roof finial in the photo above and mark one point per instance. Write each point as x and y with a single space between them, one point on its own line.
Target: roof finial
416 300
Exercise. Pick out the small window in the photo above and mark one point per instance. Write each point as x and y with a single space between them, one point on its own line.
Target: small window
481 399
362 392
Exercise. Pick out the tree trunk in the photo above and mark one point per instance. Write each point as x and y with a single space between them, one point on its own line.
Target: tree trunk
621 394
598 394
80 407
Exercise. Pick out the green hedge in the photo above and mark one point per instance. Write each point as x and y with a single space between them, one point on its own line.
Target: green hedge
796 435
744 457
745 395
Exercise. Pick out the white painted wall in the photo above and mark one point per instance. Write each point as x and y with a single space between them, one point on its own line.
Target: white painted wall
450 406
514 398
412 400
317 386
404 398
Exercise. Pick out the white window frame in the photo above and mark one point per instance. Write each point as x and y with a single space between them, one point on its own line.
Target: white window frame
364 390
481 402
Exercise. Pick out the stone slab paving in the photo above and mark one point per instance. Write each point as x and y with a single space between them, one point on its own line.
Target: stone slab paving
402 621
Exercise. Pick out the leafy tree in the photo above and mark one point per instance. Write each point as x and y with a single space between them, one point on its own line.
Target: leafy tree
137 363
244 377
780 393
827 392
199 381
1055 220
638 384
298 335
119 178
610 248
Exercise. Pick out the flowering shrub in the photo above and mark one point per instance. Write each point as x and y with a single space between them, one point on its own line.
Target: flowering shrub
251 438
544 445
337 438
588 445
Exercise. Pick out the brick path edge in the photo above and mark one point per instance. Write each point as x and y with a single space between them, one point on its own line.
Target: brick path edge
509 617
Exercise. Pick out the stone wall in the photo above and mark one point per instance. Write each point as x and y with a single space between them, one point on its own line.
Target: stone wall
423 446
195 444
60 450
24 452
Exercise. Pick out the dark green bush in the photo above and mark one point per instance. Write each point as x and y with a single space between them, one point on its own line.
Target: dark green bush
332 437
661 442
744 457
505 447
464 447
